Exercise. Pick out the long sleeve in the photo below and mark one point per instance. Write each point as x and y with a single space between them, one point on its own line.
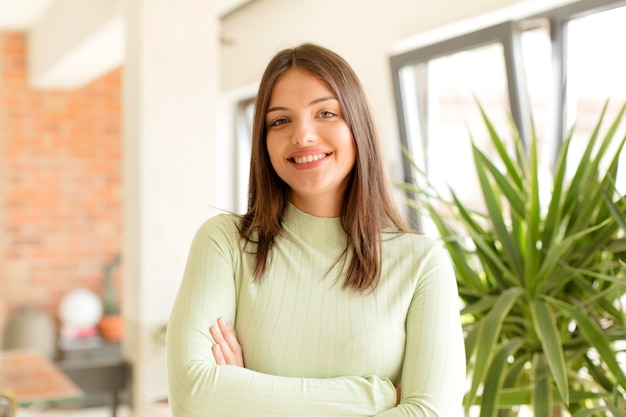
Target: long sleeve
312 347
199 388
433 370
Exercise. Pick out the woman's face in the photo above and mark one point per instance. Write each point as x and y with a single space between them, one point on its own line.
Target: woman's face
309 142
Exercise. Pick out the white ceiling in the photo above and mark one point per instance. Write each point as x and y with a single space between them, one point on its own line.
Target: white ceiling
21 15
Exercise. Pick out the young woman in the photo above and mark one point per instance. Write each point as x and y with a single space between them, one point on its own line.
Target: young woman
318 301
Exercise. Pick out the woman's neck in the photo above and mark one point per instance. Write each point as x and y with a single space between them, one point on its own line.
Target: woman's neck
318 207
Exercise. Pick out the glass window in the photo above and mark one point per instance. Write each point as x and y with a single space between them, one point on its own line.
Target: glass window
243 130
537 53
536 49
441 145
595 71
454 116
515 69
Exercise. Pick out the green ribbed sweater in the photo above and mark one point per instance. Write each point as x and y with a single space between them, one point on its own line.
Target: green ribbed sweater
311 347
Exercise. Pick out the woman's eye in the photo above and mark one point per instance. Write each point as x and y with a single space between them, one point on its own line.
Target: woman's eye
327 114
278 122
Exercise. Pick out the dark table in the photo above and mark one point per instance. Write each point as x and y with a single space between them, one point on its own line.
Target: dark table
98 370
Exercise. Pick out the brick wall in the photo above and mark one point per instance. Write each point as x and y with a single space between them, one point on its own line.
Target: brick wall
60 184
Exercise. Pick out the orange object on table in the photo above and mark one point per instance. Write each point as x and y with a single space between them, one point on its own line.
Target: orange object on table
34 379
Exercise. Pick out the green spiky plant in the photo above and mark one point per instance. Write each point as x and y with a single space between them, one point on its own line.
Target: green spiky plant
542 282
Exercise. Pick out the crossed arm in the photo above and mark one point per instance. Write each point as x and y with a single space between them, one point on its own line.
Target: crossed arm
199 387
227 350
206 364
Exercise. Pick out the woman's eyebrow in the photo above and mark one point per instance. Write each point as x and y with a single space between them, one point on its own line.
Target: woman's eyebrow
321 99
275 108
317 100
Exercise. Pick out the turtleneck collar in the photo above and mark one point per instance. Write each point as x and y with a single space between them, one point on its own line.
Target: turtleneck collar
312 229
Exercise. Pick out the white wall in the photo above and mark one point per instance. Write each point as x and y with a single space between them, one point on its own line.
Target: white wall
364 32
170 101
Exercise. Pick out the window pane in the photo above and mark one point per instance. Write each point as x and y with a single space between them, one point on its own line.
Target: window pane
537 56
448 87
596 68
454 82
245 114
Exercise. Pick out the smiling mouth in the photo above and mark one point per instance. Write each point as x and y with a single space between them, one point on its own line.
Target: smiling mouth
308 158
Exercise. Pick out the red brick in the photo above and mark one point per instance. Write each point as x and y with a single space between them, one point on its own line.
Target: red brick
60 183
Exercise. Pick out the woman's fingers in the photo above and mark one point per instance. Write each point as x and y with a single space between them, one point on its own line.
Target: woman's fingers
218 355
228 331
226 350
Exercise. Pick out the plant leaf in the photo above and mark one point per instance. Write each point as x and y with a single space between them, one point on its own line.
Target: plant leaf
513 194
594 336
542 393
495 378
589 412
494 209
533 213
488 336
511 167
549 335
614 410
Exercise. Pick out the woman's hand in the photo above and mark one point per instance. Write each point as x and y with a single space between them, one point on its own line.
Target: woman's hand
226 350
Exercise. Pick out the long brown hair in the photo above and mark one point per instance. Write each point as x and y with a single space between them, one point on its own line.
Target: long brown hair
367 206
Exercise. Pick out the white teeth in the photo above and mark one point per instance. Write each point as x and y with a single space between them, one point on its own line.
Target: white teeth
309 158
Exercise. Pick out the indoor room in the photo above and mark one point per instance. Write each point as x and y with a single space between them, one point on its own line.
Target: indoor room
125 125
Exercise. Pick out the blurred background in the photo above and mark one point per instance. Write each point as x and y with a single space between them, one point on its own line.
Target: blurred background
124 124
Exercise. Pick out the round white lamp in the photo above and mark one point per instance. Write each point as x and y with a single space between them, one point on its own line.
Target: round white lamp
80 309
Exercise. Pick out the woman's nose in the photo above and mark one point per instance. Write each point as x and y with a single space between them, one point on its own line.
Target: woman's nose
303 133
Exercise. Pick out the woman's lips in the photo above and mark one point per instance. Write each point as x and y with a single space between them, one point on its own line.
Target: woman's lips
308 160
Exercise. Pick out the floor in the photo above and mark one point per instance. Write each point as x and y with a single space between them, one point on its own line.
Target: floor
148 410
157 409
123 411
